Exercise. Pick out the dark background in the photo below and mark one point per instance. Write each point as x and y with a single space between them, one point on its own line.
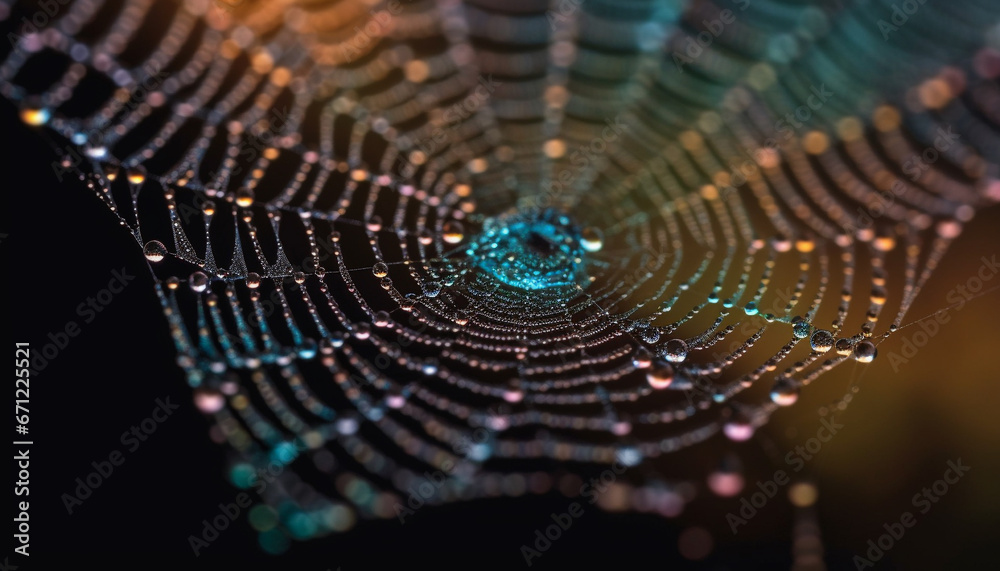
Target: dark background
63 245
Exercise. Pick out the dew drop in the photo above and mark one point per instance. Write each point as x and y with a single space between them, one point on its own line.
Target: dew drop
380 269
244 197
821 341
425 237
253 280
865 352
36 117
738 429
660 375
676 350
374 223
650 334
453 232
844 346
362 331
299 277
382 319
642 358
785 392
155 251
750 308
591 239
198 282
208 400
432 289
801 328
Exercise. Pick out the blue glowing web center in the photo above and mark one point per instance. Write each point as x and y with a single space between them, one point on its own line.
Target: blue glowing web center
532 251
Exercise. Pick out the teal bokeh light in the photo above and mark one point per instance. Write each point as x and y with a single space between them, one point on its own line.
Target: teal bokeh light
532 251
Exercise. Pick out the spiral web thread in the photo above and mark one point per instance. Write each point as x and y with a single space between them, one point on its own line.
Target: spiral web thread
312 179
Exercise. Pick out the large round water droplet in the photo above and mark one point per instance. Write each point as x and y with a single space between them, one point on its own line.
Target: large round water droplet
198 282
244 197
785 392
649 334
453 232
844 346
425 237
676 350
821 341
865 352
750 308
591 239
801 328
380 269
155 251
382 318
660 375
432 289
642 358
738 428
253 280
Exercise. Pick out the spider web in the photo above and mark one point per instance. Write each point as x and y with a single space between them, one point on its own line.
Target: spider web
513 243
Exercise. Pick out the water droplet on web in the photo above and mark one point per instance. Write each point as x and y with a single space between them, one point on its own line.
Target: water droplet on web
750 308
676 350
821 341
642 358
380 270
425 237
432 289
591 239
244 197
155 251
198 282
382 318
738 428
35 116
844 346
801 328
650 334
253 280
785 392
453 232
660 375
865 352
